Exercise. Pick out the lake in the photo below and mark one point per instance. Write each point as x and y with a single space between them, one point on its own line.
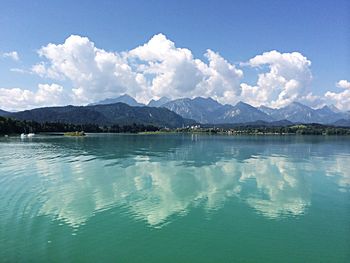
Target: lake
175 198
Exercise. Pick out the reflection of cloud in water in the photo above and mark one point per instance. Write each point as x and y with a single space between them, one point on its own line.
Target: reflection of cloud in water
173 189
72 180
339 168
156 190
283 190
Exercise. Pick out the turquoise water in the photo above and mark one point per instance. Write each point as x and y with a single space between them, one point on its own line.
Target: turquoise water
175 198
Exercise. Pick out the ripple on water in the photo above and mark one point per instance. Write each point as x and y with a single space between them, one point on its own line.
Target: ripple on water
20 202
51 191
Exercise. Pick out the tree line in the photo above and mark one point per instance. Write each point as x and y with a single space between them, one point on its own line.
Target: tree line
309 129
12 126
304 129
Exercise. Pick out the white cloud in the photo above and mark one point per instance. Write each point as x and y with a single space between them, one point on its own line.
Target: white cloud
343 84
288 79
312 100
171 71
95 73
12 55
339 168
157 68
40 70
282 192
223 81
20 70
342 99
21 99
174 72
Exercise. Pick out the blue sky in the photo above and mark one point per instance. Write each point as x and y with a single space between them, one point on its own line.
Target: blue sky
237 30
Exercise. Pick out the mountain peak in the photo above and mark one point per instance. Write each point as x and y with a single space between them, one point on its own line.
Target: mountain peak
241 104
159 102
208 101
127 99
334 108
126 96
325 110
265 107
298 104
300 113
267 110
203 99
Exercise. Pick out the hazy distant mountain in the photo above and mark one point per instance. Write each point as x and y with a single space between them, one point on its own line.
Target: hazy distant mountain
334 108
109 114
267 110
300 113
296 112
325 110
199 109
124 99
207 110
330 114
242 112
4 113
342 123
158 103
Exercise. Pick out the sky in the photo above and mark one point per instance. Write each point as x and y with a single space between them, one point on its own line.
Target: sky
261 52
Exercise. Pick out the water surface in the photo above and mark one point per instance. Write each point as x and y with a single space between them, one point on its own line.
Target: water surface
175 198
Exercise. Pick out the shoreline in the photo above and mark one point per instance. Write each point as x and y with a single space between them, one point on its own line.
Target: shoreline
62 134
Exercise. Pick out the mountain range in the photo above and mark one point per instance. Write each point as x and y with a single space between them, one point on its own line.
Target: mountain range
207 110
4 113
300 113
104 114
127 99
179 112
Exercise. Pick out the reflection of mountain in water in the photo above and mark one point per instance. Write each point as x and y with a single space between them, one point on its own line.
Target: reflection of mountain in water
156 178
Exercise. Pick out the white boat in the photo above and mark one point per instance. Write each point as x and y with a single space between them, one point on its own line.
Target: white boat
29 135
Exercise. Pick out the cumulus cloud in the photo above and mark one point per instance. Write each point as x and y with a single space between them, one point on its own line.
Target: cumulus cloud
176 73
343 84
12 55
21 99
40 70
157 68
223 81
313 100
288 79
94 73
171 71
341 99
